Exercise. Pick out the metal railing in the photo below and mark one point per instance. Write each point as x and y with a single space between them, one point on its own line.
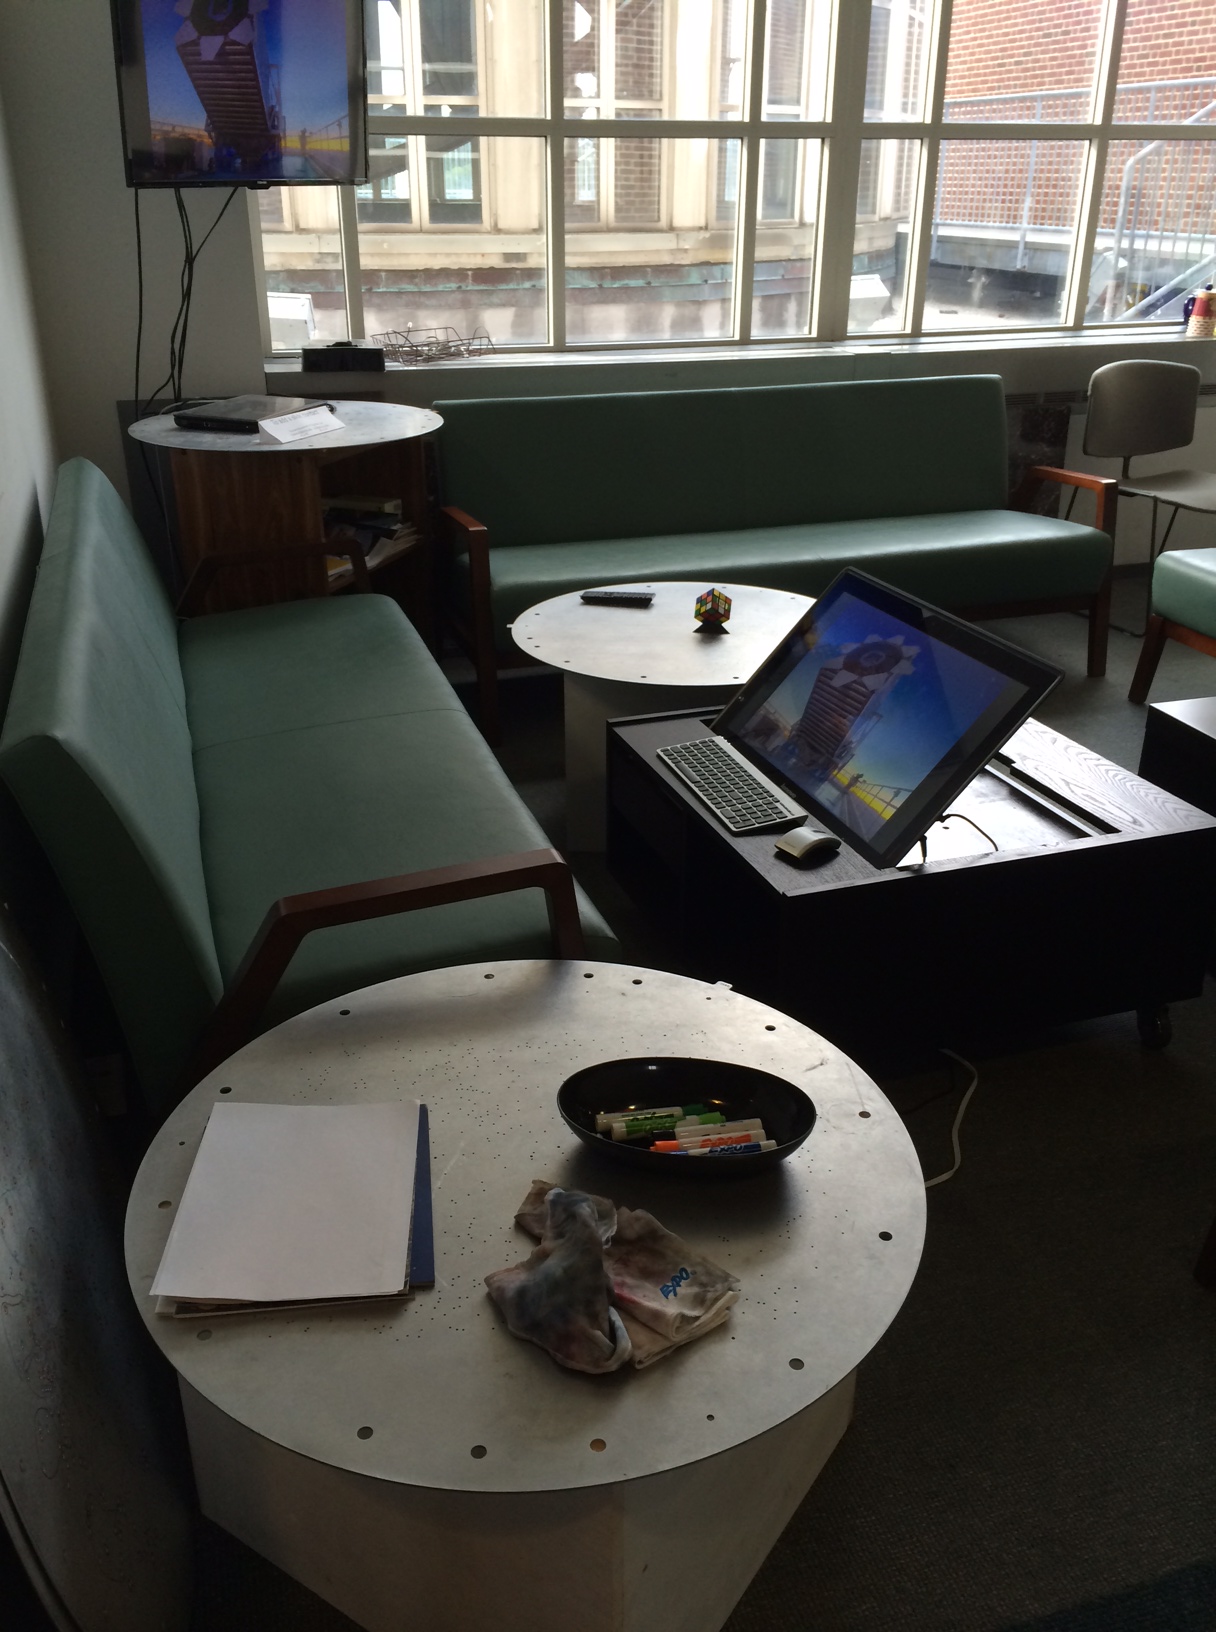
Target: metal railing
1156 236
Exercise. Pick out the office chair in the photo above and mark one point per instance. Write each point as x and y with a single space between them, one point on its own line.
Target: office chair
1146 407
1182 607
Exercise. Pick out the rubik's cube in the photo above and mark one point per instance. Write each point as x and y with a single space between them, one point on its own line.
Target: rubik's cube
712 607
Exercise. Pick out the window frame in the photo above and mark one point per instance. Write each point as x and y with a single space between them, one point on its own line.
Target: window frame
841 134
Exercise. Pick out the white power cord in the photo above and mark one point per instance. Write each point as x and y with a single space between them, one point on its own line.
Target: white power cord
958 1119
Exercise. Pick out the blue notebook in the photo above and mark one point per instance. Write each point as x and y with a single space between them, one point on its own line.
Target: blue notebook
422 1231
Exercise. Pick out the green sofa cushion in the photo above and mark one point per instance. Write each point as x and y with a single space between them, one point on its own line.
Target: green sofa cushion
97 751
318 662
932 556
1184 589
341 803
562 470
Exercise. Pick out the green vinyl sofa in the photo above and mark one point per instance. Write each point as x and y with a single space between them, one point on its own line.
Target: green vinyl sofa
780 486
257 811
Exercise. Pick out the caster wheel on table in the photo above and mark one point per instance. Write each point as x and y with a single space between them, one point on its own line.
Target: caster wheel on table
1154 1026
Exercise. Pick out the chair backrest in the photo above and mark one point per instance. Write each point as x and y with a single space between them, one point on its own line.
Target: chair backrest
93 1481
97 752
1140 407
551 470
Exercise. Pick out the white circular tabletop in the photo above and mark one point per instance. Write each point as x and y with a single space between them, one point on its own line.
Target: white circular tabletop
363 425
826 1246
660 644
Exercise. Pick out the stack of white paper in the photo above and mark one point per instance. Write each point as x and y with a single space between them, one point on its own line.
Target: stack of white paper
292 1204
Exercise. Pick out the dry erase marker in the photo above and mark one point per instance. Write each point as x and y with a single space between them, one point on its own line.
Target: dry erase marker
605 1119
732 1150
631 1127
744 1125
748 1137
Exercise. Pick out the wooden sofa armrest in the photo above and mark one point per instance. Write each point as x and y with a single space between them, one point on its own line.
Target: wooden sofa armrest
473 537
292 918
208 566
1104 488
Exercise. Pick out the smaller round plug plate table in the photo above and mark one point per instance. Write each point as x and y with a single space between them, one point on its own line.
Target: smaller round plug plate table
621 660
416 1465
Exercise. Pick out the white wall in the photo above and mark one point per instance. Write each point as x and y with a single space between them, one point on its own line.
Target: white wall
26 459
58 87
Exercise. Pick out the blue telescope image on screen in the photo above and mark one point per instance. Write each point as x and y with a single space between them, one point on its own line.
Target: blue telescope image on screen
225 92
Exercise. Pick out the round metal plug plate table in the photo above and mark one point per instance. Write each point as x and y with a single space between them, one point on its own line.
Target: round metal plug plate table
622 660
416 1456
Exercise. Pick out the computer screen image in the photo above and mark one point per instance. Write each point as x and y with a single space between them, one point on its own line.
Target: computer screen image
878 708
223 92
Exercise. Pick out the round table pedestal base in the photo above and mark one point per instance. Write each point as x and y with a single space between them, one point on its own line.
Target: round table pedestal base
673 1552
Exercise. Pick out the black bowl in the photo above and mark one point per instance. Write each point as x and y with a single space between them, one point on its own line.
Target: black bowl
738 1091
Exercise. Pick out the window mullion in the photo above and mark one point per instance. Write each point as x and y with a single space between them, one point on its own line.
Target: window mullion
352 274
747 208
841 163
1089 214
555 202
920 238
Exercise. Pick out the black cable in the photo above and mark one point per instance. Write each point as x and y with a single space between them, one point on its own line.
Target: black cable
952 814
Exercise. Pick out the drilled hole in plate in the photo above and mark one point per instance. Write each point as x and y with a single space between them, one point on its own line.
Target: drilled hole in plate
343 1011
599 1444
478 1451
588 974
637 983
770 1028
709 1416
181 1141
863 1114
487 977
163 1204
884 1235
364 1433
797 1365
204 1334
225 1090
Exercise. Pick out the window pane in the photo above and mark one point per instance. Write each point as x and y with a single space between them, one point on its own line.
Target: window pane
472 253
1156 240
1032 61
796 58
651 258
302 251
1167 64
785 238
386 196
898 59
886 186
459 55
1003 228
614 60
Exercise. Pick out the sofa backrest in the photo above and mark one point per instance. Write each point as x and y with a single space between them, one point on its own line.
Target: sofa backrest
97 751
552 470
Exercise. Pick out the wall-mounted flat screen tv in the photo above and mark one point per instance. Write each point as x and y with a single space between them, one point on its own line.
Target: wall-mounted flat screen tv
229 92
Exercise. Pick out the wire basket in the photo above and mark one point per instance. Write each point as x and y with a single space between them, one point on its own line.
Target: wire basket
410 345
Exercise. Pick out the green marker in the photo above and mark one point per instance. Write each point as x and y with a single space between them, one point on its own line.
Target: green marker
605 1119
632 1126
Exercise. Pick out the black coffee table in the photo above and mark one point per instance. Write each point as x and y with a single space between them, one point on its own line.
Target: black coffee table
1100 899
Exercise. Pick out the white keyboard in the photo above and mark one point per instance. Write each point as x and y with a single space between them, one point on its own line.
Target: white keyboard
742 799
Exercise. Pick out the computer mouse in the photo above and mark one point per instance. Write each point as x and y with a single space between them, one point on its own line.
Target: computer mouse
807 844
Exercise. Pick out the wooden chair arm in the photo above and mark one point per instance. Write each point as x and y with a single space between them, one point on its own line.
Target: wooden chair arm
295 916
464 523
208 566
1104 488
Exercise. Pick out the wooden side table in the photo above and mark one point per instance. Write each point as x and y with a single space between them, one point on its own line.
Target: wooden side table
236 492
415 1464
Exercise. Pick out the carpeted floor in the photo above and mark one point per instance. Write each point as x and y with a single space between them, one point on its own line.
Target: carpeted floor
1034 1447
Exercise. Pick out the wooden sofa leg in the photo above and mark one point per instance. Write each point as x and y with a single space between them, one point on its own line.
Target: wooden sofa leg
488 714
1150 656
1099 632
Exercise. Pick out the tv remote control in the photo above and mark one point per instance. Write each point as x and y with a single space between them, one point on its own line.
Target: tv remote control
617 597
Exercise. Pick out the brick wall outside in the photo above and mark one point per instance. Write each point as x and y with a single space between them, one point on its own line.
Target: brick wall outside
1033 54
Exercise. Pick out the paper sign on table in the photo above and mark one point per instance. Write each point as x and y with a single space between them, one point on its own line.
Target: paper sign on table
304 422
290 1202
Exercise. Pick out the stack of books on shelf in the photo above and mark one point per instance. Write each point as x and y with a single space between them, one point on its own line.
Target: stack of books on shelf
373 523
